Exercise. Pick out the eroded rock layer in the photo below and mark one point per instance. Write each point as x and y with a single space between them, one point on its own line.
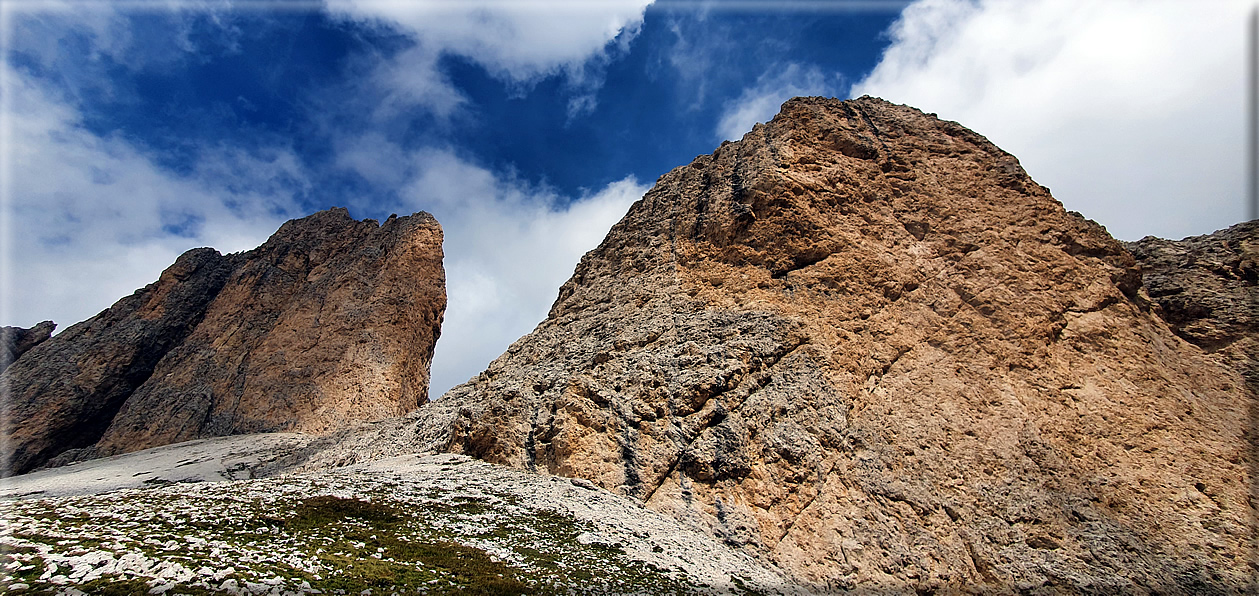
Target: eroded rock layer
863 344
331 322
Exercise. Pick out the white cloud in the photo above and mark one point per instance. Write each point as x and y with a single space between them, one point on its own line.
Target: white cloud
411 79
1132 112
761 103
518 41
699 54
98 36
88 220
508 248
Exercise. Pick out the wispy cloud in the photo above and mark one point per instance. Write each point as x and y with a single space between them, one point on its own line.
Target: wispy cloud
517 42
1130 111
698 54
89 219
411 79
761 102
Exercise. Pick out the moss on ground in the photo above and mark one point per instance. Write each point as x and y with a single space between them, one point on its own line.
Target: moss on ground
371 554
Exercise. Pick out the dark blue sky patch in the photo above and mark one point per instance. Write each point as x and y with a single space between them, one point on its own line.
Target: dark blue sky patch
653 113
183 225
206 83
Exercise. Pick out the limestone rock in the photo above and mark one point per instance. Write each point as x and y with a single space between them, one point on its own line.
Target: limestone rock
15 341
331 322
863 344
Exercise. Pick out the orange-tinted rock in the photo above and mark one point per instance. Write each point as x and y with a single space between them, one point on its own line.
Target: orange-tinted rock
863 344
331 322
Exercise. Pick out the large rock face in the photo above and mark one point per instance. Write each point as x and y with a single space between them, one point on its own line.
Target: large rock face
863 344
331 322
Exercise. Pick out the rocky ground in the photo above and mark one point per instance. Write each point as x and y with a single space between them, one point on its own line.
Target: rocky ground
412 524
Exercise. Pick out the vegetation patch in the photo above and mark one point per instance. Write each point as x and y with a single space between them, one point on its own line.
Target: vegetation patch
323 510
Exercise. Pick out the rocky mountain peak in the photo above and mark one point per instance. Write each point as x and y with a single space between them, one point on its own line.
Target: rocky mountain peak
864 345
331 322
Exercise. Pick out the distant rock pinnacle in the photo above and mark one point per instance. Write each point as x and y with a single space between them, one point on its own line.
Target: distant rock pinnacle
331 322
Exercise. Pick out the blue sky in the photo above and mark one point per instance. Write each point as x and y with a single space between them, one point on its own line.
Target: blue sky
135 131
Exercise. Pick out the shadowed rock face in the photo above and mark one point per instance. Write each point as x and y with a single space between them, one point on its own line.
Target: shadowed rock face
863 344
332 321
15 341
1207 289
64 392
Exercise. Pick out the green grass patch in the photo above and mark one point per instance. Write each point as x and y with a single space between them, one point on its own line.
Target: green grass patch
366 535
317 512
36 568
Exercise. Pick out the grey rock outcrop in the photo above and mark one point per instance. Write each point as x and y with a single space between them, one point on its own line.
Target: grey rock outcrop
1207 289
